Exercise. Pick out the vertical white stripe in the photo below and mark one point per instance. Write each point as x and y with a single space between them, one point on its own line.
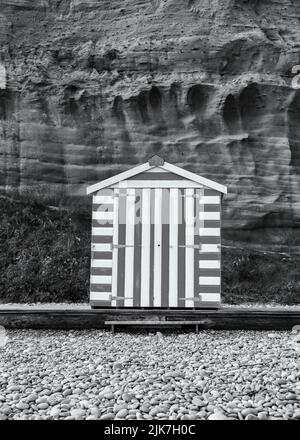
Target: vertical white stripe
173 252
114 287
189 251
157 248
129 249
145 251
200 224
202 214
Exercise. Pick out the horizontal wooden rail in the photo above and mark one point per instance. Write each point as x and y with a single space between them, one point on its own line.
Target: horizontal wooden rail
153 323
224 318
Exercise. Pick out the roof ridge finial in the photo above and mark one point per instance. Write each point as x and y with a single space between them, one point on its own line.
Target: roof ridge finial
156 161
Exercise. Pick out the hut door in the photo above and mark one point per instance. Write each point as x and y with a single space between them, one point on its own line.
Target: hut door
155 247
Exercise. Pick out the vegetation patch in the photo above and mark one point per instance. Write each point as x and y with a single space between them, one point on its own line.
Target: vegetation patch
249 275
44 252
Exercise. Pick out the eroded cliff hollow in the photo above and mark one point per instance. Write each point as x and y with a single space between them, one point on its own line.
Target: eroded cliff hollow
89 88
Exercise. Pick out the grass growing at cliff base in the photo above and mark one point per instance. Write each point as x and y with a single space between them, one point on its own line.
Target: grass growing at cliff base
45 257
258 277
44 252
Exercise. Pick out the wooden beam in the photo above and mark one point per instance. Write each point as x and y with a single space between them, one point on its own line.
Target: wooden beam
158 184
152 322
229 319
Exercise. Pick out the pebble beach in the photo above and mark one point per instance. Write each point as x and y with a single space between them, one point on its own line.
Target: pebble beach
93 374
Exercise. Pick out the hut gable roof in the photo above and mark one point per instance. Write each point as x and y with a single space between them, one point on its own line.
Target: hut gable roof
157 163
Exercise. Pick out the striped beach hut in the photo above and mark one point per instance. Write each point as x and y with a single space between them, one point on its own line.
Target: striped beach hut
156 236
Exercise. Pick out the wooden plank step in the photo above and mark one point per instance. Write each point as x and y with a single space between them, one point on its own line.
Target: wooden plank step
154 323
145 322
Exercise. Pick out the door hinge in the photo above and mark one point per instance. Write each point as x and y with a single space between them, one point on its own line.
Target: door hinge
121 246
193 246
218 247
119 298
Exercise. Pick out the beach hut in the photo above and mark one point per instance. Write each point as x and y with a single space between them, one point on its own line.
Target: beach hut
156 239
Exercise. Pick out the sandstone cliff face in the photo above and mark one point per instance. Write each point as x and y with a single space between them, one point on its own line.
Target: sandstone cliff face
89 88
